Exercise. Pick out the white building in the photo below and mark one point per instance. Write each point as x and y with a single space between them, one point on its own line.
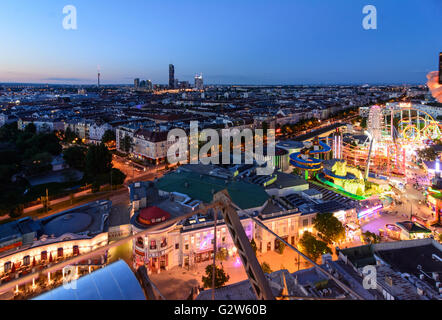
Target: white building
199 84
96 131
151 145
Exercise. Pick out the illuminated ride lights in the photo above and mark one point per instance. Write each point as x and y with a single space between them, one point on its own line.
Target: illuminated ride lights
304 160
320 177
433 190
364 213
414 125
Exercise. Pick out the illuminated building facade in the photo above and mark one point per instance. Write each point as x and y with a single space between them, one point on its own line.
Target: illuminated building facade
190 241
26 244
199 84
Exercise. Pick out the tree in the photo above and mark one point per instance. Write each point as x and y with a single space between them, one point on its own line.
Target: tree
9 132
220 277
118 177
69 135
75 157
108 136
221 254
363 123
253 245
98 161
427 154
266 267
281 246
98 166
313 247
330 229
126 144
371 237
39 163
31 128
95 187
49 142
15 209
14 205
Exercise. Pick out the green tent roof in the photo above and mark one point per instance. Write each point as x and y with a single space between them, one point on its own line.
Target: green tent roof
202 187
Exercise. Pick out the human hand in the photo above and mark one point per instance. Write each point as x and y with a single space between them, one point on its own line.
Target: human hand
434 86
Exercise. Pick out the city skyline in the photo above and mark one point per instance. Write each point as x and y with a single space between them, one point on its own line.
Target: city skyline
234 43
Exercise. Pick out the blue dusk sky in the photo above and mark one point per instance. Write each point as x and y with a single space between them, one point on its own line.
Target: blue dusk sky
229 41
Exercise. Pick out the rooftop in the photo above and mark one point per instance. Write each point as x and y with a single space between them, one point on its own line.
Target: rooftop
203 187
83 221
114 282
413 227
286 180
90 219
152 215
408 259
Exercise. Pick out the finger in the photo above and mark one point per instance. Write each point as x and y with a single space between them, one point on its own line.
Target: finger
436 89
433 79
438 96
432 75
434 86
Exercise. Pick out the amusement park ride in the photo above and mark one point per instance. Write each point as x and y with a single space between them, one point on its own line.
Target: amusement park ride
394 133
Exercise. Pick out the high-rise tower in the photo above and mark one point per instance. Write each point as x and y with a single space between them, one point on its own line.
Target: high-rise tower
199 84
171 76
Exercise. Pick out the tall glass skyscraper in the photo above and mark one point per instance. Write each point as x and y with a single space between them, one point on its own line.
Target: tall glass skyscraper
171 76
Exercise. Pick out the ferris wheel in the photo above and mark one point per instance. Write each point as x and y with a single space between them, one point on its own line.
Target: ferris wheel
375 123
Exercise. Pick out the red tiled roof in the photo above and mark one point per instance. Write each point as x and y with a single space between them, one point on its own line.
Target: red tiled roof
152 215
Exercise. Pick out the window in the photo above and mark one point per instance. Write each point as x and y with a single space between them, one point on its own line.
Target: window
163 242
44 255
186 247
153 245
60 252
305 222
177 246
7 266
76 250
26 260
140 242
